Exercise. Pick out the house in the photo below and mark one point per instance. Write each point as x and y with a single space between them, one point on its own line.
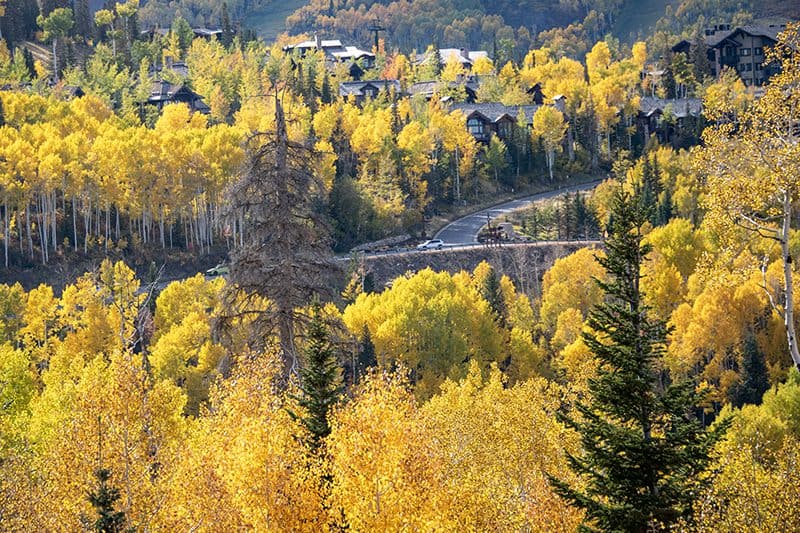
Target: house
164 92
466 57
740 48
177 67
204 33
487 119
334 50
427 89
367 90
666 118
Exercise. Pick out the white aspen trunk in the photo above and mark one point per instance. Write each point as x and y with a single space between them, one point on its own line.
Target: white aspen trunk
42 231
74 225
788 313
6 232
55 61
28 229
54 203
161 226
108 225
87 225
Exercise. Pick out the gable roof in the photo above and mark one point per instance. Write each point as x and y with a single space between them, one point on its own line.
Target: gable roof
714 37
356 88
680 107
494 111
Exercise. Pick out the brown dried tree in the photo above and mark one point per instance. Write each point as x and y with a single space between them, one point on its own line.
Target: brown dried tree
283 253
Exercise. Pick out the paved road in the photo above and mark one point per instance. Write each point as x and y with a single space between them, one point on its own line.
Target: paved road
465 230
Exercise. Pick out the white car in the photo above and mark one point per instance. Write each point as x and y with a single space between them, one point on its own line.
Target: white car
433 244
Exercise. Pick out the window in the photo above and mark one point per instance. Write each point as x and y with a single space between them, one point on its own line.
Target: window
475 126
749 66
504 129
758 51
759 67
744 51
741 67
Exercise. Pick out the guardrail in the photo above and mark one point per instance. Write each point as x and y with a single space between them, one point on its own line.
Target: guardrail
470 246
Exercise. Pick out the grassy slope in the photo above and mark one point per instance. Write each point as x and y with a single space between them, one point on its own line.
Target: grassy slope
270 20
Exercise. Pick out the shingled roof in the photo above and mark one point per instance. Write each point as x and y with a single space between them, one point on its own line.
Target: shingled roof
679 107
495 111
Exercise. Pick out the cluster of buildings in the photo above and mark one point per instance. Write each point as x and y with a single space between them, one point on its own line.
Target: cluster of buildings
741 48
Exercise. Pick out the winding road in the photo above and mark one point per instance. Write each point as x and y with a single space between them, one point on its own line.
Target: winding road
465 230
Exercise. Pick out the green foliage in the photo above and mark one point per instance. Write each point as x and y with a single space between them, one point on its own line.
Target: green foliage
319 381
644 451
103 499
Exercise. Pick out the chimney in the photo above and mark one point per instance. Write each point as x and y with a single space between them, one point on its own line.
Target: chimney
465 53
317 41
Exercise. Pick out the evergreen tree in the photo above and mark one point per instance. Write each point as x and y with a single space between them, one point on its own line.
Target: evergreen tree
319 383
103 499
366 355
754 379
30 63
698 55
19 21
664 209
493 294
325 92
644 450
83 20
227 29
436 60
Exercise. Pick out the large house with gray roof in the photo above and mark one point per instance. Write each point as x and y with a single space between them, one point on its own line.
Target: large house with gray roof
334 50
487 119
741 48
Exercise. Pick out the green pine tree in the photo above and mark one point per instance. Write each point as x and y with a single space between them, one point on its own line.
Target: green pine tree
320 382
493 294
366 355
325 92
644 449
108 519
226 38
754 376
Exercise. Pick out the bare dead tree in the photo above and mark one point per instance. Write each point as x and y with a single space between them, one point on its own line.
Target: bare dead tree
284 253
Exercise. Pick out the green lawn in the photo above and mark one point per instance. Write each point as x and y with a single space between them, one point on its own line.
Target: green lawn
270 20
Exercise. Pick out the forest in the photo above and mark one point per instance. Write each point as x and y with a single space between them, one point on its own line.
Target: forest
648 383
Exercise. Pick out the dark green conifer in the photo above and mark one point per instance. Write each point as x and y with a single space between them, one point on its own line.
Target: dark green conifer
754 377
226 38
325 92
366 355
492 292
319 383
643 448
109 520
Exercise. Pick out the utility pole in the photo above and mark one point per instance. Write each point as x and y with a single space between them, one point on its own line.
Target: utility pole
376 28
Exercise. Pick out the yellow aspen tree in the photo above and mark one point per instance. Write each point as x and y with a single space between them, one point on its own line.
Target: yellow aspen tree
550 127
